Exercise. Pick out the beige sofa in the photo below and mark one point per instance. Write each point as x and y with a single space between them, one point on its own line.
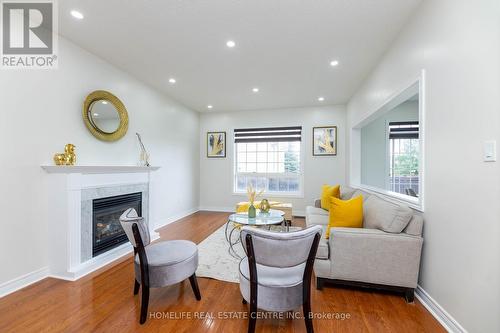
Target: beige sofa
384 254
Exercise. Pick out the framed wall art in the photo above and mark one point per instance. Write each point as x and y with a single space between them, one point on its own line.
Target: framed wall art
216 144
325 141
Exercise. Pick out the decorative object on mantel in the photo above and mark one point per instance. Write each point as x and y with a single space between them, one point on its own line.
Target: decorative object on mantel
265 206
252 195
144 157
216 144
105 116
66 158
325 141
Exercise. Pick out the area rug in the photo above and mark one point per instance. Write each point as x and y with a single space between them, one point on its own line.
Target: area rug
214 260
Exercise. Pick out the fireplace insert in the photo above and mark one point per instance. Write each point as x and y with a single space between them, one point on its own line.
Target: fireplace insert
107 230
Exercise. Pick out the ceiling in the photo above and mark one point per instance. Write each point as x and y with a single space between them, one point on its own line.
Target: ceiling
283 47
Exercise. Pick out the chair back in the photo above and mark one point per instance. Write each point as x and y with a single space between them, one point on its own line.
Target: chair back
128 219
281 249
411 192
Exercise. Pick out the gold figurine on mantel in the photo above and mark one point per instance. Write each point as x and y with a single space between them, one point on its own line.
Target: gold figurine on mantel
66 158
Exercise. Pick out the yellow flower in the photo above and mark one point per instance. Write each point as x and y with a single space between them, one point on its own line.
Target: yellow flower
252 193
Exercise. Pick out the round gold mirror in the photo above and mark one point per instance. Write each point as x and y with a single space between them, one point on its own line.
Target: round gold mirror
105 116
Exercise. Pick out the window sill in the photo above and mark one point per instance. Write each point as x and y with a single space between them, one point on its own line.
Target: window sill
414 203
269 195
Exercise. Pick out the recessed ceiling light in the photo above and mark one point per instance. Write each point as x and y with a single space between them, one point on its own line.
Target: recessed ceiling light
230 43
210 106
321 99
255 90
76 14
172 80
334 63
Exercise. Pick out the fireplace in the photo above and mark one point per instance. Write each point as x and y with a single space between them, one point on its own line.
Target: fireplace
107 230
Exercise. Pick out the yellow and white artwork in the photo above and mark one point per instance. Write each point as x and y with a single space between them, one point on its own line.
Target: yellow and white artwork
216 144
325 141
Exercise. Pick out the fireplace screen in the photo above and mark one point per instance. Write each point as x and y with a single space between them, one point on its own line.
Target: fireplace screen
107 230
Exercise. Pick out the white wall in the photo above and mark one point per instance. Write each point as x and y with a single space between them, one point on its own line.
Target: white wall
458 44
41 112
374 137
216 175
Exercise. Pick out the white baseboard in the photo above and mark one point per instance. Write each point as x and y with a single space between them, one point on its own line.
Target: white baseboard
217 209
100 261
163 222
23 281
83 269
444 318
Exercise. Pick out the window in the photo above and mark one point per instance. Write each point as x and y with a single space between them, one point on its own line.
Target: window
269 159
403 157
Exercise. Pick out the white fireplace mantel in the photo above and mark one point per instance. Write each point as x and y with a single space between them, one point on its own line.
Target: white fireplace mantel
97 169
67 188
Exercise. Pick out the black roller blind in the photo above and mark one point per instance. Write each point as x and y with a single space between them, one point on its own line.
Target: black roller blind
269 134
403 130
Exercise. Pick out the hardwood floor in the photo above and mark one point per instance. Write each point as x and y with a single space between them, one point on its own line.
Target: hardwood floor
104 302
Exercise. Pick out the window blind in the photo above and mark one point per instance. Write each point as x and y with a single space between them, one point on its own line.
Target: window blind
403 130
269 134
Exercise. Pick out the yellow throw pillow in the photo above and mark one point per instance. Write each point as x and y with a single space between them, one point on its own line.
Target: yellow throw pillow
345 213
327 192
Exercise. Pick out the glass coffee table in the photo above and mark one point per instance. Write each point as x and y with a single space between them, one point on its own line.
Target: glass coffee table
261 220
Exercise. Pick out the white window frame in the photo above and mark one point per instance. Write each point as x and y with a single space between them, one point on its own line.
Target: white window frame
389 157
300 176
414 86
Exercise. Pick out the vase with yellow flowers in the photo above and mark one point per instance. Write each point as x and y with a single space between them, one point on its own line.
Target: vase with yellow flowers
252 195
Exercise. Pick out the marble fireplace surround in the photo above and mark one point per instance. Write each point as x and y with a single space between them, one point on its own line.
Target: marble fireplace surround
89 194
70 194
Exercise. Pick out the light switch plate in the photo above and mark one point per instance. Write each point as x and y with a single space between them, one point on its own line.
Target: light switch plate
490 151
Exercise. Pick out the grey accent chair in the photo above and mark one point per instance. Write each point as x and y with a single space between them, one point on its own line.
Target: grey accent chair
158 264
276 274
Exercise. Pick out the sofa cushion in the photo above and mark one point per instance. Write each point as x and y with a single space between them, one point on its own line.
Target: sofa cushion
385 215
364 194
310 210
415 226
323 249
312 219
346 194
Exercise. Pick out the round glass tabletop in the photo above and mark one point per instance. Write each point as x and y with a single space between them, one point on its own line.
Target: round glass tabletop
273 217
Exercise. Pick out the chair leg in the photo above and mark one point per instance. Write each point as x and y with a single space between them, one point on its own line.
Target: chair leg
252 320
144 304
252 265
308 316
194 285
137 285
